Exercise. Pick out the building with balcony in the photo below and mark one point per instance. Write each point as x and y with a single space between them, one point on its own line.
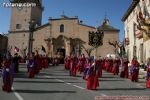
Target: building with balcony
137 30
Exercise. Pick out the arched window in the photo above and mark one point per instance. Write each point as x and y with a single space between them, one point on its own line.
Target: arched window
61 28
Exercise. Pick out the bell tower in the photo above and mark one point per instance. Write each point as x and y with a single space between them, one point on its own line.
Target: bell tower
19 24
21 16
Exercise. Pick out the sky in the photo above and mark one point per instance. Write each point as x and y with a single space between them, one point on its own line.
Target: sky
91 12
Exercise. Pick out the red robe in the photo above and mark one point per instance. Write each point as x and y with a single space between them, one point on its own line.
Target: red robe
37 65
148 77
134 70
107 64
75 62
85 72
103 64
45 62
79 65
42 62
99 68
92 82
115 69
7 73
73 66
66 63
110 65
83 60
7 83
124 71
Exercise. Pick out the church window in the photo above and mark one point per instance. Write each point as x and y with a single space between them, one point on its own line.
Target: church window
18 26
61 28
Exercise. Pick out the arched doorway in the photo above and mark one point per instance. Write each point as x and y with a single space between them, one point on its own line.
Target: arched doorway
59 49
61 52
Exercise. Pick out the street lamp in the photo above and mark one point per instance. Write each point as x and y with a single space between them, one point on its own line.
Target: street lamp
31 30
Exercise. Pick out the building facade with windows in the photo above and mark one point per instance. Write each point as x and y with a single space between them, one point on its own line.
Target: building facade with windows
61 36
137 30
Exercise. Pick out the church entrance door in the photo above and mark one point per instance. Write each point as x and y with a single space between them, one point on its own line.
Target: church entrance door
61 52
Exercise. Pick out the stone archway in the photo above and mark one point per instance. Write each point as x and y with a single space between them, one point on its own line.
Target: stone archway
59 48
67 45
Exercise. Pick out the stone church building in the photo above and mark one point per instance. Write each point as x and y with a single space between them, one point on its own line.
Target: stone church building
60 36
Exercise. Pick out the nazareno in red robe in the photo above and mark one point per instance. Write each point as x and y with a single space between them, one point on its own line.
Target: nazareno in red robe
7 74
134 70
66 62
46 62
92 82
99 67
124 70
73 66
148 77
115 69
37 64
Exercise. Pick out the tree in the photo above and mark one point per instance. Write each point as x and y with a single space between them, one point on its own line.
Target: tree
88 50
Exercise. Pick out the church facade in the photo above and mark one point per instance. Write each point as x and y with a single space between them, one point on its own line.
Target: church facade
59 36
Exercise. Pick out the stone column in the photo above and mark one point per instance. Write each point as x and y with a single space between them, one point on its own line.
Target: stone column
51 51
67 42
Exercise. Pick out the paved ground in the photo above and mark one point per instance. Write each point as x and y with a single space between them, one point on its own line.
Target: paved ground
55 83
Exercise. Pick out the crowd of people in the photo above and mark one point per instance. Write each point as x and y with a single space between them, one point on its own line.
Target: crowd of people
35 63
10 65
91 68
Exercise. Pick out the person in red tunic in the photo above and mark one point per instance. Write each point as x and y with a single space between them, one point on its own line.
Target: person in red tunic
7 74
148 74
92 81
31 66
83 60
46 61
99 67
116 64
124 70
75 62
37 65
107 64
134 70
42 61
79 65
86 68
73 65
55 61
110 64
103 64
66 62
